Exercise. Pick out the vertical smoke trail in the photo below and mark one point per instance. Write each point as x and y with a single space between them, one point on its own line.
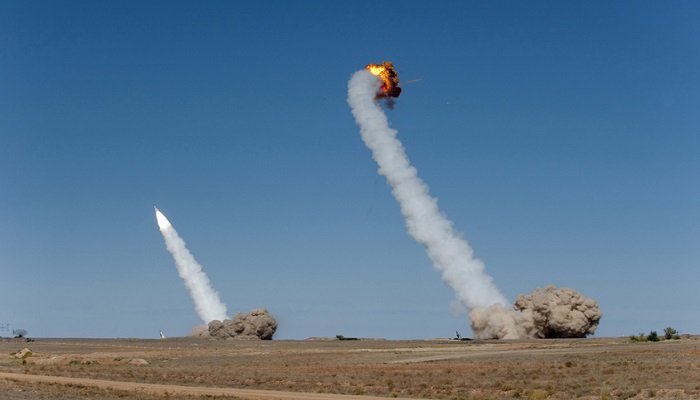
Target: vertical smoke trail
206 299
448 251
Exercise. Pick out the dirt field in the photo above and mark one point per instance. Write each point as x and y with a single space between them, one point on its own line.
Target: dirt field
187 368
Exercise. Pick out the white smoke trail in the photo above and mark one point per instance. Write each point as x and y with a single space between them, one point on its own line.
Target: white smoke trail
206 299
449 252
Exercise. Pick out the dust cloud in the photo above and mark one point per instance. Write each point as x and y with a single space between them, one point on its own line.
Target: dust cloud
545 313
258 324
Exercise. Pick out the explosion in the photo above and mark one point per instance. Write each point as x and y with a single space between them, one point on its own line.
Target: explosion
259 323
390 80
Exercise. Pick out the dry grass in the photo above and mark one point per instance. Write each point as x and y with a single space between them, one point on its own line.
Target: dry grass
544 369
39 391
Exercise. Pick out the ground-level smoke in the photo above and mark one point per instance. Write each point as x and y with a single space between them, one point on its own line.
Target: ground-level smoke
259 323
206 300
545 313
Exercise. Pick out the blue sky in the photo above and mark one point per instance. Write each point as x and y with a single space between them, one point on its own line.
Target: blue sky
561 139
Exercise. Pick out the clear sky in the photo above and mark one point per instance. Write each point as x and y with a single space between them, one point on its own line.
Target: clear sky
561 138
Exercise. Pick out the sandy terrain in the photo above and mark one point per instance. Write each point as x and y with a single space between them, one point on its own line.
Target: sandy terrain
189 368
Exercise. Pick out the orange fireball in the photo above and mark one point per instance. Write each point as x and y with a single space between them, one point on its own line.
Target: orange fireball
387 73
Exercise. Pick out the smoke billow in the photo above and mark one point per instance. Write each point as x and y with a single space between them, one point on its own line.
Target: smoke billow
545 313
548 313
206 299
259 323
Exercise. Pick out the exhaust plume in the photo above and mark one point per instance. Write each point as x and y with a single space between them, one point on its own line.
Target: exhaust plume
205 298
448 250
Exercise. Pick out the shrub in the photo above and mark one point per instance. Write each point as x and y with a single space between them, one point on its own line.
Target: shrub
670 333
653 336
640 338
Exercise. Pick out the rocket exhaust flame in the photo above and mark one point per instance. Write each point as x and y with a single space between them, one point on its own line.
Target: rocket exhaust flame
205 298
549 313
163 222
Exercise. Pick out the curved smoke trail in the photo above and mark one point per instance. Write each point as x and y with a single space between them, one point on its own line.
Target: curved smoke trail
206 299
547 313
448 251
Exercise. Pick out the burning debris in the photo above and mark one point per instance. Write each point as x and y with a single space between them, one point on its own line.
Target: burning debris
545 313
259 323
390 81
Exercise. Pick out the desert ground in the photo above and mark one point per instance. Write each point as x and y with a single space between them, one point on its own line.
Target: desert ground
190 368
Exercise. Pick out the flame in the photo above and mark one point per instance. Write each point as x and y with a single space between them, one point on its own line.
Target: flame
163 222
390 80
376 69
